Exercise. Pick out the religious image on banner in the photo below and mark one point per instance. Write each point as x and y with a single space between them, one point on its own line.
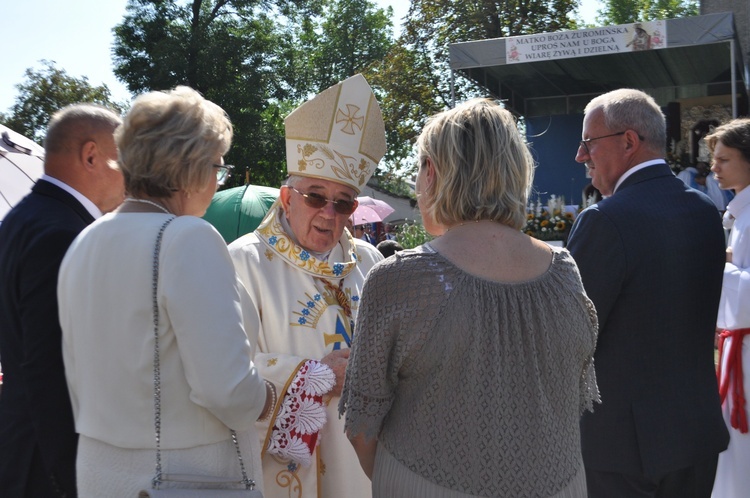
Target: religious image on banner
581 43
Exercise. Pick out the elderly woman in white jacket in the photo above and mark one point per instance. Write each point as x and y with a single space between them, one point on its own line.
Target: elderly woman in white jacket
171 148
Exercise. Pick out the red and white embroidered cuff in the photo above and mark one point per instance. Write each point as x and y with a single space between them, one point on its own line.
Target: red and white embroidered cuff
302 414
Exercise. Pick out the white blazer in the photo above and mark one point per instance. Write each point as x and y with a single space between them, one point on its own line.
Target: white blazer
209 382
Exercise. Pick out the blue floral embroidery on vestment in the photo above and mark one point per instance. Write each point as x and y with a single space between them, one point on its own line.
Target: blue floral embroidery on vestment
309 312
292 467
338 268
355 298
304 255
272 240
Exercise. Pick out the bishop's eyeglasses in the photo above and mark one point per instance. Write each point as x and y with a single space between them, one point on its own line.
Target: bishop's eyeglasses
317 201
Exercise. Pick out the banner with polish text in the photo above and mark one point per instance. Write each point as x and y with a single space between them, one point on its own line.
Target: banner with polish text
586 42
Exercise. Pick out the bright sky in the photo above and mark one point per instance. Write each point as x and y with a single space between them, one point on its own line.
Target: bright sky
77 36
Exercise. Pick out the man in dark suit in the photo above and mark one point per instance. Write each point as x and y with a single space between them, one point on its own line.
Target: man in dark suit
651 256
81 181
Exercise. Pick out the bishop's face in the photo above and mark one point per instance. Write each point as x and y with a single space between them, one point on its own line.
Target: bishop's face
316 229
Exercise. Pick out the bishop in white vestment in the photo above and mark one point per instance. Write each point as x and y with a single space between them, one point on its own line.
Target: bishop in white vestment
305 274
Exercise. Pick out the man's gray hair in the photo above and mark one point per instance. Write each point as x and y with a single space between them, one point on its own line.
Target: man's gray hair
76 124
628 109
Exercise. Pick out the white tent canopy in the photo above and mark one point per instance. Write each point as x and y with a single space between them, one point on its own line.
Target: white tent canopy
695 57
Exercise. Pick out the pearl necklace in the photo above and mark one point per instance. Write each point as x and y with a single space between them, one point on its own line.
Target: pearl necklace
466 223
146 201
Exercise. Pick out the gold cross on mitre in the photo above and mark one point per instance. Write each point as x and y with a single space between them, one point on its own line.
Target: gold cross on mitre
350 119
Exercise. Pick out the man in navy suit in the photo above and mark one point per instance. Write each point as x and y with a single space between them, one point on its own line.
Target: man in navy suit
81 181
651 256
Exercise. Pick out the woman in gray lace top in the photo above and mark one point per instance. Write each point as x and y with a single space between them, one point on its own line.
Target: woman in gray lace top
473 354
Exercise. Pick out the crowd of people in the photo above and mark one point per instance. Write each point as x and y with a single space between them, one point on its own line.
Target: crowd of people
303 361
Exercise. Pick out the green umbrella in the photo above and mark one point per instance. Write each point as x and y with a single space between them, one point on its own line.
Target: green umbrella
237 211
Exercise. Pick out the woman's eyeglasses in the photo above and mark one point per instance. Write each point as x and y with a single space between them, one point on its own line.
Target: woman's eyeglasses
317 201
222 173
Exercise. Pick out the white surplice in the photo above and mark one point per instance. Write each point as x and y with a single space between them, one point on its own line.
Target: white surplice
302 319
732 476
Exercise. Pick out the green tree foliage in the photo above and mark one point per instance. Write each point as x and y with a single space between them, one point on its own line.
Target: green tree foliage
411 235
237 53
408 93
353 35
44 92
257 59
414 79
630 11
434 24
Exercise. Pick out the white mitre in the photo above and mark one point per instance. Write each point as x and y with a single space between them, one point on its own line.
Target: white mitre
338 135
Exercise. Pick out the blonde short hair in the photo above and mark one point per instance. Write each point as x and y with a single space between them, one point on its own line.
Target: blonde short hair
483 167
169 141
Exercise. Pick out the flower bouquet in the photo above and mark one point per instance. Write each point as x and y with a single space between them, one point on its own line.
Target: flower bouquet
550 221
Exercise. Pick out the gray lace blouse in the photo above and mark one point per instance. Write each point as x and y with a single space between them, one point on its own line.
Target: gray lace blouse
475 385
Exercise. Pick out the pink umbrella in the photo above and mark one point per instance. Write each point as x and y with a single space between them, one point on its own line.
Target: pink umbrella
371 211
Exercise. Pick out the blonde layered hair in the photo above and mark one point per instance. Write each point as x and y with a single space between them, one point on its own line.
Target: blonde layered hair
169 141
483 168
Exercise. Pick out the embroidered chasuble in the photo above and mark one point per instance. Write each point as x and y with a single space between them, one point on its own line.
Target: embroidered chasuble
307 309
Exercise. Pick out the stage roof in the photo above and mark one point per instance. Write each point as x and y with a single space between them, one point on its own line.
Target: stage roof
695 59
